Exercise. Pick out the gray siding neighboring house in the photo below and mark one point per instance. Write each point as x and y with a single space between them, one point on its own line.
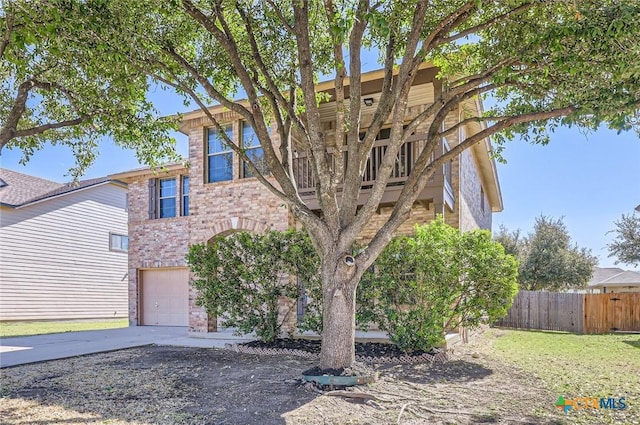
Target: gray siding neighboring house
63 248
614 280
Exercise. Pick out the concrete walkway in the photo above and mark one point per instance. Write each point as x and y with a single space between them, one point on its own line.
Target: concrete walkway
38 348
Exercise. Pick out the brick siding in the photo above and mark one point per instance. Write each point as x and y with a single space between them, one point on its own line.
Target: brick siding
245 204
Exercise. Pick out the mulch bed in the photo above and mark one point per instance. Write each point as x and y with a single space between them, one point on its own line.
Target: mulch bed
368 352
372 349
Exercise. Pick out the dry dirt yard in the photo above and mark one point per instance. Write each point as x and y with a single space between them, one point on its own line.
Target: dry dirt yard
169 385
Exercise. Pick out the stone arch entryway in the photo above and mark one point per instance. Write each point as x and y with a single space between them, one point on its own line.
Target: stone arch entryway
235 224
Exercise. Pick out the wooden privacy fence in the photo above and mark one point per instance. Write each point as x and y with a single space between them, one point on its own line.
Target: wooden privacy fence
579 313
604 313
553 311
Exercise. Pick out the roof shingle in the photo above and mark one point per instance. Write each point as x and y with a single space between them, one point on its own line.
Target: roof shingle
626 278
21 189
602 273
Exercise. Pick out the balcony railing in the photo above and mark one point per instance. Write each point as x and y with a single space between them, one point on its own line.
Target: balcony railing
404 163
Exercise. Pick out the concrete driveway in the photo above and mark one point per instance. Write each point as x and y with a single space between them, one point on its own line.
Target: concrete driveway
38 348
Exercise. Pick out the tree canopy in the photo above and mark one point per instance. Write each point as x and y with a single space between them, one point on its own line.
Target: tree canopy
548 259
546 63
61 88
626 244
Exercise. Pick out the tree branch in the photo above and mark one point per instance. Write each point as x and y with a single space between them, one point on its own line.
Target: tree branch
7 132
464 83
51 126
406 75
432 138
52 85
446 24
486 24
9 19
204 82
280 16
273 91
352 182
325 190
295 201
227 140
410 193
258 121
341 75
384 106
225 37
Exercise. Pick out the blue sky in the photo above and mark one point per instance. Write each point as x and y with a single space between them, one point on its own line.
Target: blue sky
589 180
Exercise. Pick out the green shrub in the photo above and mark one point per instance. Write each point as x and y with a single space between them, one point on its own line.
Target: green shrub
241 277
421 285
437 280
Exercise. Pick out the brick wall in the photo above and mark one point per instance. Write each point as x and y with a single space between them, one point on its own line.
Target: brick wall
475 212
419 215
224 207
215 208
245 204
153 243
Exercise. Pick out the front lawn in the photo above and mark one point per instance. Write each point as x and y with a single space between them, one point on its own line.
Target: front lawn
176 385
13 329
501 377
579 366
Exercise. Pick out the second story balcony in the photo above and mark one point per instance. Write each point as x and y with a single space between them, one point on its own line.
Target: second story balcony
439 189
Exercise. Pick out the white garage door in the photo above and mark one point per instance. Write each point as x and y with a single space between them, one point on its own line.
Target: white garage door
165 297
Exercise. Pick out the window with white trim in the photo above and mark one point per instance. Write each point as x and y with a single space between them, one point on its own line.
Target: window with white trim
169 197
254 151
167 191
219 156
185 195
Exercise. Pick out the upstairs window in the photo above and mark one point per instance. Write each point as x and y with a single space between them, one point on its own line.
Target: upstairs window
254 151
185 195
167 198
219 156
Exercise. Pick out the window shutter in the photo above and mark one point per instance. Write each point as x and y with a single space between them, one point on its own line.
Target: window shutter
152 198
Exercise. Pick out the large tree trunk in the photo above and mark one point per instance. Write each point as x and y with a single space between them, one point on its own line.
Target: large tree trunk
339 281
